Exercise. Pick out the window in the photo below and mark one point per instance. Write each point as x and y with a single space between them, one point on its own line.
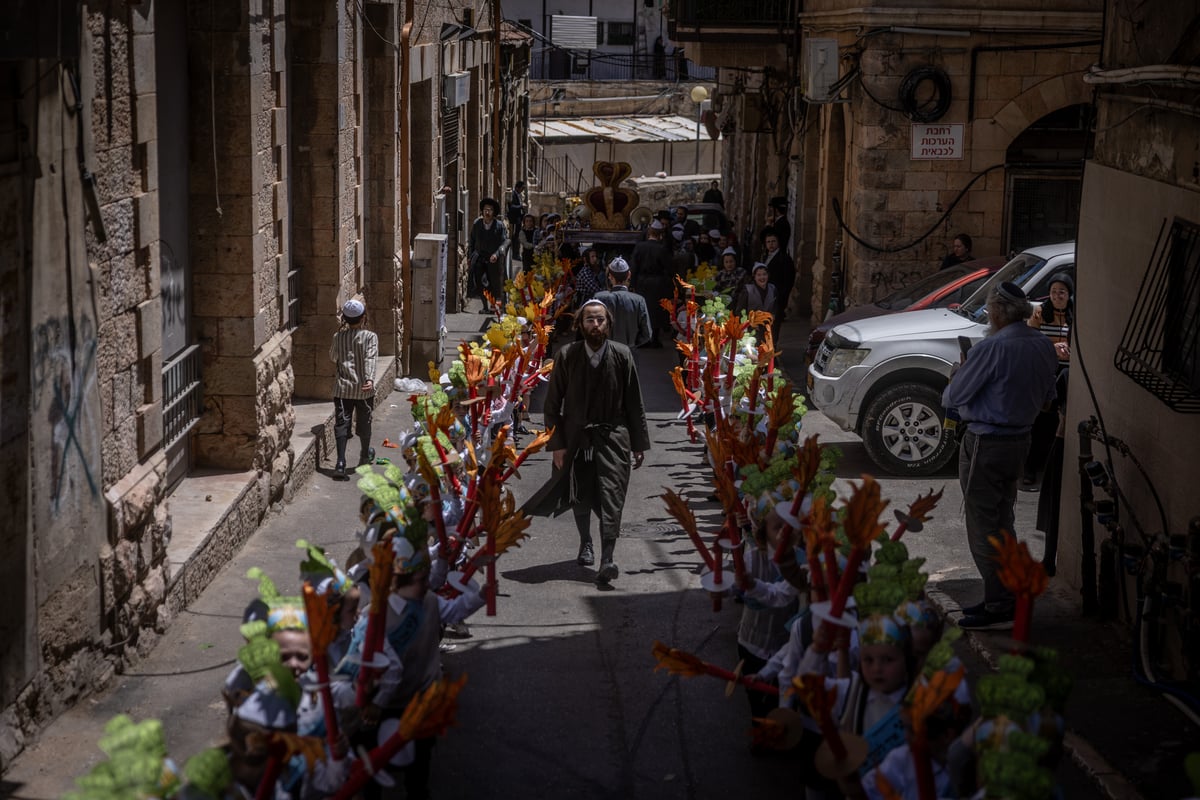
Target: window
1160 349
621 34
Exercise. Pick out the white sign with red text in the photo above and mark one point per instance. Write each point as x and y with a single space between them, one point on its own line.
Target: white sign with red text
937 142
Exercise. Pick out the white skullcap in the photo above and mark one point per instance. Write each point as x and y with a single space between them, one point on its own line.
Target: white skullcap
714 234
618 264
657 225
353 309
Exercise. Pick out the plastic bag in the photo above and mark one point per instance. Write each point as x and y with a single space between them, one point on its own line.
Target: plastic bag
411 386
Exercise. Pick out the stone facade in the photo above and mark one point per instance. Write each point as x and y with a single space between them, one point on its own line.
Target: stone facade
243 175
1142 176
847 167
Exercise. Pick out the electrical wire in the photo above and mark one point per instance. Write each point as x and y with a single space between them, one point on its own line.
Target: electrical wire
837 213
362 13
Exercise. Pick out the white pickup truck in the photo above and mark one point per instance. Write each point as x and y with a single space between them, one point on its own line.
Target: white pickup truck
883 377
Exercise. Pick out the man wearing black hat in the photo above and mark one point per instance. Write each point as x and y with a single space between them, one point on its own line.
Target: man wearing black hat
651 264
486 249
997 392
594 406
777 223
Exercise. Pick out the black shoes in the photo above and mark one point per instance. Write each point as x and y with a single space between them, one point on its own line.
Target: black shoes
339 469
587 556
608 572
367 457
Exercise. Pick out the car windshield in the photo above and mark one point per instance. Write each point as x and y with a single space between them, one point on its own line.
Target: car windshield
1017 271
906 296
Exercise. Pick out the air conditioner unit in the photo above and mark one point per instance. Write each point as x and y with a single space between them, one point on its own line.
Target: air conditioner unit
820 69
456 89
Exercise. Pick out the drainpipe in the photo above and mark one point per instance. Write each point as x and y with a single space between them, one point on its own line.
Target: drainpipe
497 186
405 189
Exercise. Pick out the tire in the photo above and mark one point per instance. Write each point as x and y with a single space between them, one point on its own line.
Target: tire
903 433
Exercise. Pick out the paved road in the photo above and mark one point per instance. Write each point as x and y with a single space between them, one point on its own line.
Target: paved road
561 694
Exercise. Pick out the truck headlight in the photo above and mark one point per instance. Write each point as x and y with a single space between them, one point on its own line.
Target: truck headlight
843 359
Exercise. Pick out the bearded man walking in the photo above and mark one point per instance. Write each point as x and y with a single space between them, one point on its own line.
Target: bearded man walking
594 404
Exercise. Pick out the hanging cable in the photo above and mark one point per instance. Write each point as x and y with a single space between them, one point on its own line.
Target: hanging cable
928 110
837 213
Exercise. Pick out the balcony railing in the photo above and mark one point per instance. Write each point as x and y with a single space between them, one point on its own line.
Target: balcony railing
558 64
744 14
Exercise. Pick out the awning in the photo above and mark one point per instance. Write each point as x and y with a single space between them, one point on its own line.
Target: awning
672 128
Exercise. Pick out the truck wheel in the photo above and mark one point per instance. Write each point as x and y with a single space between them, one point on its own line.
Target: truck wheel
903 432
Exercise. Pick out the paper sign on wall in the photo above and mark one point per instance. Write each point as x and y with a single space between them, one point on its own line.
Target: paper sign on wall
937 142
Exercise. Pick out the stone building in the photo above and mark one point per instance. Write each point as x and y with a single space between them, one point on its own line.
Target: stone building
1138 331
833 115
188 192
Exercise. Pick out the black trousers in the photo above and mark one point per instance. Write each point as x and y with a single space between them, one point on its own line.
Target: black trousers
346 412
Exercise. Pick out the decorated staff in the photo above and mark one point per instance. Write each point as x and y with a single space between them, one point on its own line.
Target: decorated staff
1021 575
680 662
322 630
428 714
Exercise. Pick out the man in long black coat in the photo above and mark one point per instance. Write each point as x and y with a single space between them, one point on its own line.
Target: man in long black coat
782 271
652 271
594 404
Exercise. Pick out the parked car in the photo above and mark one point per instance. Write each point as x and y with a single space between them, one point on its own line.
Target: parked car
883 377
944 289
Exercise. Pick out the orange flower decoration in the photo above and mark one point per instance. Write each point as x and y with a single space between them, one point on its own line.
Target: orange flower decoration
924 504
504 524
322 626
861 522
312 748
677 662
677 382
781 408
432 711
678 508
1019 572
817 699
927 696
756 318
808 462
381 575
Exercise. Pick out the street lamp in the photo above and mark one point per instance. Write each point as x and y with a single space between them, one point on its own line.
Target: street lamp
699 96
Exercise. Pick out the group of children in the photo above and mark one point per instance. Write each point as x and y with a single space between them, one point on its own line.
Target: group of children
338 689
846 664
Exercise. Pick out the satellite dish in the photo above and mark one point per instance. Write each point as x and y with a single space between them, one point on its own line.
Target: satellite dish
640 217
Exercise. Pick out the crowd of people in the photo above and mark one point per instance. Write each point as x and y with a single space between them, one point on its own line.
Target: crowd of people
339 689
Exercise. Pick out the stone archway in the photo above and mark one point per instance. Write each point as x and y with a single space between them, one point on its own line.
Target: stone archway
991 136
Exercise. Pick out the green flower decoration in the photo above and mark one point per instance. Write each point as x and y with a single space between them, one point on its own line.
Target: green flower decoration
1014 776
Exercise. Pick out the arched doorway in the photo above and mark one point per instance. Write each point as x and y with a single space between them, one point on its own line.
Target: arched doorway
1044 173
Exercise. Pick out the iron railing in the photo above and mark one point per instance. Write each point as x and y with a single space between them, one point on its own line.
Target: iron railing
1160 349
554 63
555 174
743 14
182 394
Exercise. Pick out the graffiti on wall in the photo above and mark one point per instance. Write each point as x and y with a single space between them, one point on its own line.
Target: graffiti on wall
886 282
64 372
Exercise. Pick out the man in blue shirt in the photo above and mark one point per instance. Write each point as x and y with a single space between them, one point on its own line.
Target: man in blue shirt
998 392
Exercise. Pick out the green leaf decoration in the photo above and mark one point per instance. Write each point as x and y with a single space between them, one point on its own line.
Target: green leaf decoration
266 586
254 629
257 656
317 562
135 767
383 492
1054 680
394 474
280 679
1191 766
877 597
894 553
208 772
942 652
1014 776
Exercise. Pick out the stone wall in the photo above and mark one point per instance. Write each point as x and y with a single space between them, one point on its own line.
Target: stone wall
908 210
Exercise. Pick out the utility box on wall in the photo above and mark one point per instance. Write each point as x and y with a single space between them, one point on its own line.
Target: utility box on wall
456 89
429 300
